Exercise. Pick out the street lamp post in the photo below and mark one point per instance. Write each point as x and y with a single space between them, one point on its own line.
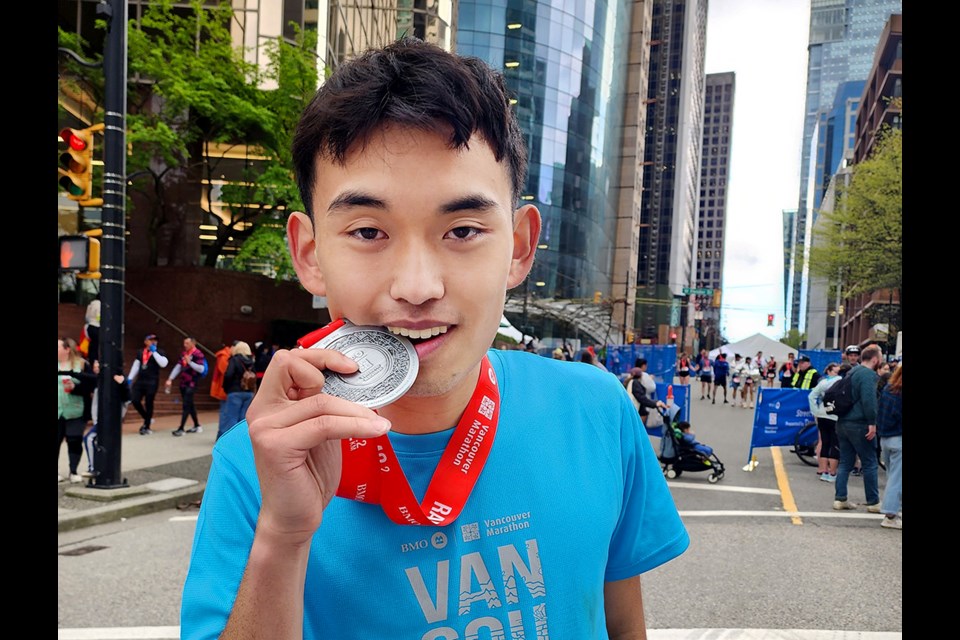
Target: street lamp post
107 455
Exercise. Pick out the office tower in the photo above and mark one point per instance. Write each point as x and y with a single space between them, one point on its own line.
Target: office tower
843 39
564 66
671 169
711 226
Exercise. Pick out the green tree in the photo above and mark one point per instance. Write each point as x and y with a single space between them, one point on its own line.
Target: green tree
860 243
193 93
793 339
193 101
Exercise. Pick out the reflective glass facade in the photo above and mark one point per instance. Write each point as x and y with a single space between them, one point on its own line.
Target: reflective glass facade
565 65
843 40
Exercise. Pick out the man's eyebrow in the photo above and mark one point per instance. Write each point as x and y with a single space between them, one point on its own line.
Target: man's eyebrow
472 202
349 199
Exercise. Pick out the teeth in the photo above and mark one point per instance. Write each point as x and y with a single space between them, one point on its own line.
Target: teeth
418 334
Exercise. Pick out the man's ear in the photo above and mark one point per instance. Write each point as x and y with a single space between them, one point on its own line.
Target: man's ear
526 234
303 253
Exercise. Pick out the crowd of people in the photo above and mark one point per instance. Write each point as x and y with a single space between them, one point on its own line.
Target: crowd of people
79 376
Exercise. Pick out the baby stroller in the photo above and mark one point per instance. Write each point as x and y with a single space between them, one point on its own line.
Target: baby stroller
677 455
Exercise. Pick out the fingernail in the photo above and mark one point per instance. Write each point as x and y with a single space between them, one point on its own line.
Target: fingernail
383 425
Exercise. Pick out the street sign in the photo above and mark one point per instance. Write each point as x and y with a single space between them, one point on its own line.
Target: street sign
687 291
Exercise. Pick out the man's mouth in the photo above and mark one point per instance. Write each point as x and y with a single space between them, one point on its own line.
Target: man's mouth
418 335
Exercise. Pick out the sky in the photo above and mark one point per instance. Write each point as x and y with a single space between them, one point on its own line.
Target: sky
764 42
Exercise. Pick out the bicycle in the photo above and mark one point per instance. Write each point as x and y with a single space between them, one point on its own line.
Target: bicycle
805 444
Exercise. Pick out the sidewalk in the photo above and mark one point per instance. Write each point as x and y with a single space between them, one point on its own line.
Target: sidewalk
161 472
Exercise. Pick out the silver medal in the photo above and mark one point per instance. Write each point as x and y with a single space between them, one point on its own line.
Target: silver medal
388 365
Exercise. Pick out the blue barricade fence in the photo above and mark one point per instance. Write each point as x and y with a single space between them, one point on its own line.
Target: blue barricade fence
661 359
779 416
820 358
681 398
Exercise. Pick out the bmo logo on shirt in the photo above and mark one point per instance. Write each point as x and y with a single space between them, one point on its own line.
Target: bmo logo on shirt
438 541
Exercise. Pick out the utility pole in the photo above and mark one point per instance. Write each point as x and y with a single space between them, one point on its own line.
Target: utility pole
109 432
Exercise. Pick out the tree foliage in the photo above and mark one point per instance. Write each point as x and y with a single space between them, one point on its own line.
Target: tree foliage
194 100
860 242
793 339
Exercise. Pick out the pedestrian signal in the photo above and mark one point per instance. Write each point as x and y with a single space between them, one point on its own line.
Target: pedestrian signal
769 319
80 254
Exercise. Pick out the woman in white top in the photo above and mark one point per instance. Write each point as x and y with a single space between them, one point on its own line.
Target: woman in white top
828 447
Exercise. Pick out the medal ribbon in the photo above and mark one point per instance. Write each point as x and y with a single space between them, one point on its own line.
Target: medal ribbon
372 473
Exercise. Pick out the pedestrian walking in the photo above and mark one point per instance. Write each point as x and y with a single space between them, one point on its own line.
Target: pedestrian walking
239 393
856 431
704 368
721 369
190 369
144 380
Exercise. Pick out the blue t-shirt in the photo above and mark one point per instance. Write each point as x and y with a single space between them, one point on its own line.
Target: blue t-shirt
572 496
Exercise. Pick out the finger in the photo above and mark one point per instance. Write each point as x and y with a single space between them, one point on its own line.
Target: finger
286 413
317 429
301 371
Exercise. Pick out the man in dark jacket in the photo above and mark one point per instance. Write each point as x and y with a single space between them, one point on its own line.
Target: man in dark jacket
856 431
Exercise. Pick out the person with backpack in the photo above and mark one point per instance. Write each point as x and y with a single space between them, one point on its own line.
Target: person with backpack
856 430
240 383
192 366
829 452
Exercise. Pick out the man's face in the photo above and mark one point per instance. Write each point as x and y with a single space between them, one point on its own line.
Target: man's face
187 344
853 358
419 238
803 365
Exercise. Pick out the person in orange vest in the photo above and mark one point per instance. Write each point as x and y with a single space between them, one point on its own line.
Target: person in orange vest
216 382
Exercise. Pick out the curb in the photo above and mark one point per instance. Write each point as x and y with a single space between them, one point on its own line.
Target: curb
127 508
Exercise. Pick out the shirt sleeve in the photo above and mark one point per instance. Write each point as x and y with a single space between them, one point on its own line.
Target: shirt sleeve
649 532
134 370
160 358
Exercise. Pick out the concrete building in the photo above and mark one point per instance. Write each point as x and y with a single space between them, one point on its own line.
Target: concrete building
671 176
711 225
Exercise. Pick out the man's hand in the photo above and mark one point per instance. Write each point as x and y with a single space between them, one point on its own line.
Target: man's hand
871 431
296 430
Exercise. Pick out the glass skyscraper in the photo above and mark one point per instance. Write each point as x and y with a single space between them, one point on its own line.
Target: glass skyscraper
842 43
565 68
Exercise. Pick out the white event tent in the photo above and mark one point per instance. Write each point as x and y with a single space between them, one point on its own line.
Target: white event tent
750 346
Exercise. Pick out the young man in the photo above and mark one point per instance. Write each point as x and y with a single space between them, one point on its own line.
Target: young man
144 380
471 517
856 433
721 368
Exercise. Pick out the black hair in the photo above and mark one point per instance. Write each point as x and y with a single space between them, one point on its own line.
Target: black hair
683 425
639 362
415 84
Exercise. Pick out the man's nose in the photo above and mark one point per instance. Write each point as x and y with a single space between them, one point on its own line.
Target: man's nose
417 275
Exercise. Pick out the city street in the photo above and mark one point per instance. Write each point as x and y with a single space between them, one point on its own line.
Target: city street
767 553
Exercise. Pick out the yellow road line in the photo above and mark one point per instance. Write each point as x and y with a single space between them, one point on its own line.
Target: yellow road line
789 504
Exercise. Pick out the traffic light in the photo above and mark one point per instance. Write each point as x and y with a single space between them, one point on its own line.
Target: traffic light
81 254
769 319
716 299
76 162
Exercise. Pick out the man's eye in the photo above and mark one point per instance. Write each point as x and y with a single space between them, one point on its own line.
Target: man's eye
366 233
463 233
